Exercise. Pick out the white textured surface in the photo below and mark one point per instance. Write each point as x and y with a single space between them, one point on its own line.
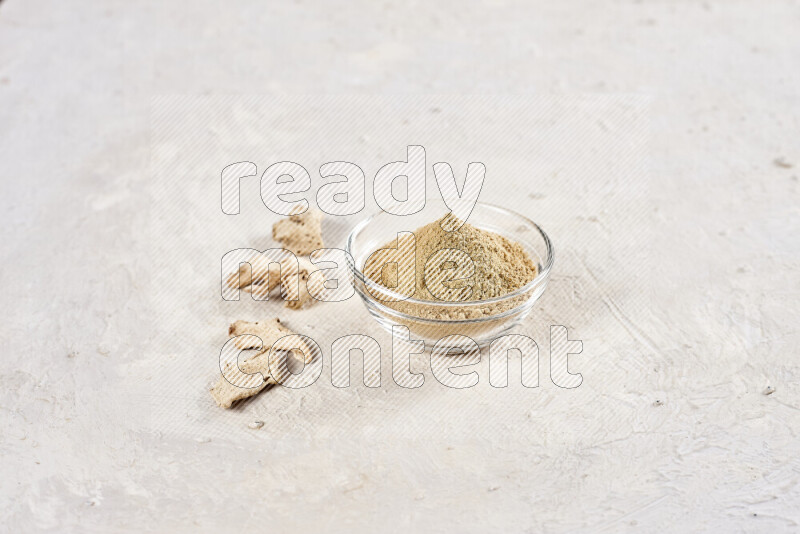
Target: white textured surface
702 320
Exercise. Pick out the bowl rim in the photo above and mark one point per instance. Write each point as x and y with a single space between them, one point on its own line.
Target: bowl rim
541 276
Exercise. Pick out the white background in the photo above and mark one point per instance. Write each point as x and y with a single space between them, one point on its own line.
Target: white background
685 293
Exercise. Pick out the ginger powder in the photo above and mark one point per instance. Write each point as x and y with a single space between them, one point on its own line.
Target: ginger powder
467 264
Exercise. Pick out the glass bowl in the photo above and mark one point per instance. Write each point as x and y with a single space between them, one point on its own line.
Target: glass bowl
482 320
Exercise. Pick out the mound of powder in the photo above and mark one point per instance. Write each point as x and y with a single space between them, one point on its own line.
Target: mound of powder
501 266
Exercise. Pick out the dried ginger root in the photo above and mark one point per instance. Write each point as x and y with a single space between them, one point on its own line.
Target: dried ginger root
256 278
305 268
301 233
225 393
262 282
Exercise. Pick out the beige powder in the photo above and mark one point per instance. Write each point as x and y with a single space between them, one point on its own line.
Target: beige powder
501 266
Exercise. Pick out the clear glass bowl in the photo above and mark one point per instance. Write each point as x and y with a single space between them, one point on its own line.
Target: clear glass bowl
482 320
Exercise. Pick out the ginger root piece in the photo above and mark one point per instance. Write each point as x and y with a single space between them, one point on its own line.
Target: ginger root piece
305 268
300 233
225 393
259 290
261 287
269 331
257 274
